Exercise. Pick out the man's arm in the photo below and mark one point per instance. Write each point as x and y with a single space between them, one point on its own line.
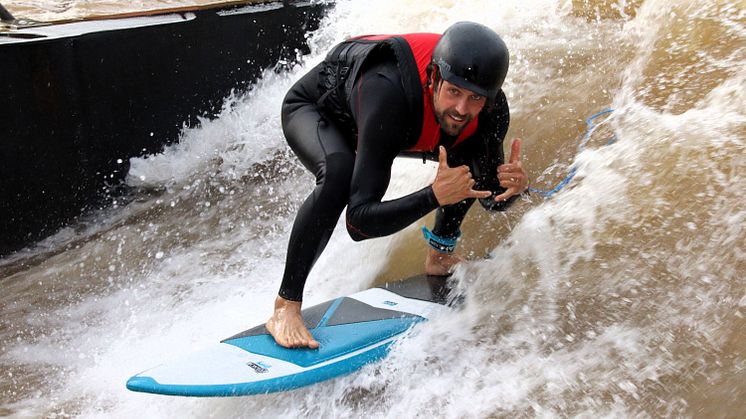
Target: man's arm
487 164
382 116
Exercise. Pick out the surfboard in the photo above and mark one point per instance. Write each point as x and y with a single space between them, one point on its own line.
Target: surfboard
353 331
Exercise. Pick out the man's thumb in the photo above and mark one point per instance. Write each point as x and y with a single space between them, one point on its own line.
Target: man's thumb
442 157
515 151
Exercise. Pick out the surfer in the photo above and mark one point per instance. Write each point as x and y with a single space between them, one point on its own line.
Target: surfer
378 97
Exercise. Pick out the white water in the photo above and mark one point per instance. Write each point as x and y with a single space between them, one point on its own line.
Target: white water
620 297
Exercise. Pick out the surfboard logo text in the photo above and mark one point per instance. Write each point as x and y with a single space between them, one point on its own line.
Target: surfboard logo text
259 368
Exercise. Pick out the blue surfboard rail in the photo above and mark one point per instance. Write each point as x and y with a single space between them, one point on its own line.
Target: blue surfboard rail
305 378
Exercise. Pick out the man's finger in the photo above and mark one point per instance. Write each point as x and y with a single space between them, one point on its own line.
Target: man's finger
507 168
507 194
515 151
442 157
479 194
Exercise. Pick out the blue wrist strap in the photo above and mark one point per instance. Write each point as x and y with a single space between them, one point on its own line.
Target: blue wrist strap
441 244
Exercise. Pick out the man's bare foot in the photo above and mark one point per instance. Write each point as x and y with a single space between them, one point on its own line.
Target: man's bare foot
441 264
287 327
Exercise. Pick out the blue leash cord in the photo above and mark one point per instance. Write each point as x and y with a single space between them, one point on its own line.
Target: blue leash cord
573 169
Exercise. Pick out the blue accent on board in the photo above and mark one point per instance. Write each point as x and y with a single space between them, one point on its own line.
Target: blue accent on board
573 170
330 312
349 365
335 341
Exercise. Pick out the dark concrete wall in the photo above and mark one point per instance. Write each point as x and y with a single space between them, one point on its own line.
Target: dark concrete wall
72 107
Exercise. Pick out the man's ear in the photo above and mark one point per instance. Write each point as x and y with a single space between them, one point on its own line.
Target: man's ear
432 76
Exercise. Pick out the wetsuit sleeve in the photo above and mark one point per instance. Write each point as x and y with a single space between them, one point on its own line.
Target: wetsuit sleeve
382 117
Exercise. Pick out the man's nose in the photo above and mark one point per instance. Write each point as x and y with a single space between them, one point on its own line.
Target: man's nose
462 106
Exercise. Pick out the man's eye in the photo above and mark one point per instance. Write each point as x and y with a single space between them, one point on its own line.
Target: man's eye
476 97
454 92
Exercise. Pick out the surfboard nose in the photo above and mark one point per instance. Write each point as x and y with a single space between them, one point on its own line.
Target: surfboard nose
142 384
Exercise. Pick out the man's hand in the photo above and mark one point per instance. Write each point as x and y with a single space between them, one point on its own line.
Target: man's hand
454 184
511 175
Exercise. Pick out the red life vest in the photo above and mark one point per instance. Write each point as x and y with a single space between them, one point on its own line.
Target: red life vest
422 45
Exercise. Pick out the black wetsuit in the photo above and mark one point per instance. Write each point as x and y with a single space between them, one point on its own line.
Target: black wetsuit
352 163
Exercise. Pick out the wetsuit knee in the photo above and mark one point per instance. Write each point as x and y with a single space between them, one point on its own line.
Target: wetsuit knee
334 177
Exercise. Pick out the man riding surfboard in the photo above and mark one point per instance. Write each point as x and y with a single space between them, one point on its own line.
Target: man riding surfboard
377 97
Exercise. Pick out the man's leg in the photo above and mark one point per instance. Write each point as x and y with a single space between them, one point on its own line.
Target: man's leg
448 219
325 152
447 225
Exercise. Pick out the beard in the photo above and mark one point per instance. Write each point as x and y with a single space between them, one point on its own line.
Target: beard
450 126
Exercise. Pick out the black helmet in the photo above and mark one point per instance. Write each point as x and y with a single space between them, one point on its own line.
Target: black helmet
472 56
